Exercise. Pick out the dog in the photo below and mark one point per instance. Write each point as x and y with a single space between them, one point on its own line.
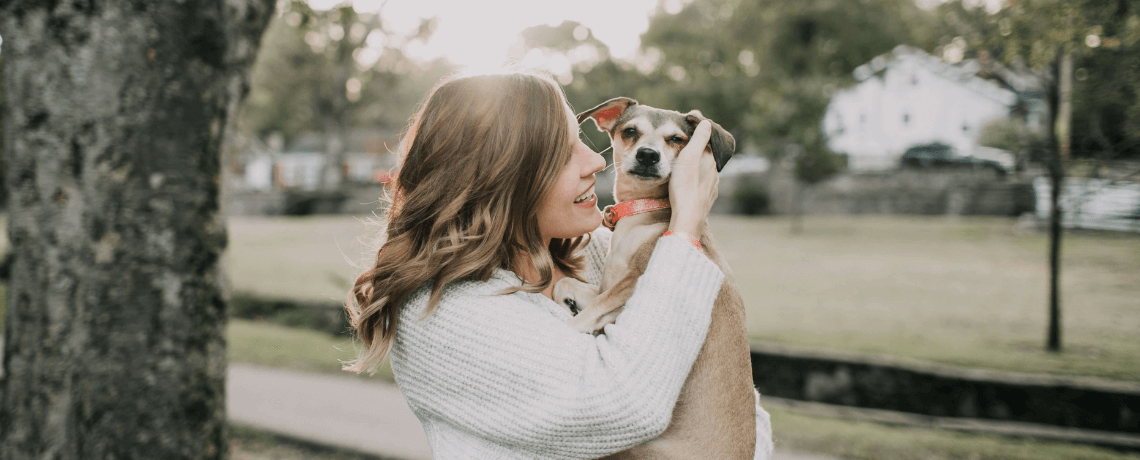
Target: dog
715 415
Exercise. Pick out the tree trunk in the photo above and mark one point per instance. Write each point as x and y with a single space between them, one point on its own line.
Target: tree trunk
114 120
1060 110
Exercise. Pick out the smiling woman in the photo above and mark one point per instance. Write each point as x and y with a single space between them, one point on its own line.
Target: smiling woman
493 203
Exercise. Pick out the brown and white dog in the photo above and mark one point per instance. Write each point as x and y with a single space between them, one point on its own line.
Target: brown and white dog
715 416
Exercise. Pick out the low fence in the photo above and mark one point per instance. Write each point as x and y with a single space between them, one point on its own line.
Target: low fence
919 192
1095 204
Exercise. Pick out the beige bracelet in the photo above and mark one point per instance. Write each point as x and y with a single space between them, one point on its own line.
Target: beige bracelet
692 239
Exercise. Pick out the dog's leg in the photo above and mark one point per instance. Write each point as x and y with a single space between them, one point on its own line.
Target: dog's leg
574 295
623 268
604 308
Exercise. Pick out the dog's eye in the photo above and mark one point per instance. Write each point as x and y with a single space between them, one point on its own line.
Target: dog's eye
677 140
629 132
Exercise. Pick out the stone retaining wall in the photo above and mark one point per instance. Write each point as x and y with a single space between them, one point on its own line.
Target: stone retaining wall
921 192
945 391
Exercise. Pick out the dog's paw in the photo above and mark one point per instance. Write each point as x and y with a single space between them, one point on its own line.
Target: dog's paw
564 294
572 294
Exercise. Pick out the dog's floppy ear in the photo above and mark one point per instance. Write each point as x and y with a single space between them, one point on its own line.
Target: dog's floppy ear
607 112
722 143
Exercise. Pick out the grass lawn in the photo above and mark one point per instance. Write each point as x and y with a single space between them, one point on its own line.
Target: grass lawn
966 291
963 291
272 345
308 258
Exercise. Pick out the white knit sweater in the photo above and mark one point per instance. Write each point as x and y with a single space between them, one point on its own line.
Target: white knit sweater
504 377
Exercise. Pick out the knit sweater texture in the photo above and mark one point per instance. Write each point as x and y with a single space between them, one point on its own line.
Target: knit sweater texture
494 376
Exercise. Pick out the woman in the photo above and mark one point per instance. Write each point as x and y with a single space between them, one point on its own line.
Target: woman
493 204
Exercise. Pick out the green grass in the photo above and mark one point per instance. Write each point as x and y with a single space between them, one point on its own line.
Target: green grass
871 441
272 345
967 291
305 258
961 291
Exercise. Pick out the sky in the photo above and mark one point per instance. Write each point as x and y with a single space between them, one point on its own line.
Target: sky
479 33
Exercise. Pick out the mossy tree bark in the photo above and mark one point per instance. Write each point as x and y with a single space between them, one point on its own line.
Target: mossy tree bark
114 120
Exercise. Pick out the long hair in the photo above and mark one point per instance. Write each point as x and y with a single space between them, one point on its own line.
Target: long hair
478 158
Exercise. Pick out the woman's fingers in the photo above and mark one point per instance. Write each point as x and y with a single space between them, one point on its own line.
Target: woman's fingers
697 142
692 187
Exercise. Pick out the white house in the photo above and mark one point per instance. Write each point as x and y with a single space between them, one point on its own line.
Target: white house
908 97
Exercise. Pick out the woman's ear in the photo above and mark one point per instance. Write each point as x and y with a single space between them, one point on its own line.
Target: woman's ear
722 143
606 113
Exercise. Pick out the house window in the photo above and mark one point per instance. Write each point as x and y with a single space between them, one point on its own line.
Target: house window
914 80
965 127
906 118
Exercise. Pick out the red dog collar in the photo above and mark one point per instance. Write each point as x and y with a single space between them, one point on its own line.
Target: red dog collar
614 213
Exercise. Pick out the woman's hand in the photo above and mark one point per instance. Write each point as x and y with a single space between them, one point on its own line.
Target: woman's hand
694 181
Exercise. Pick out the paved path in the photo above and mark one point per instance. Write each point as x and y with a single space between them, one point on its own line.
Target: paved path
368 416
343 411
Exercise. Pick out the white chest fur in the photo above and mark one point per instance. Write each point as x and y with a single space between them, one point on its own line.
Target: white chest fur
630 233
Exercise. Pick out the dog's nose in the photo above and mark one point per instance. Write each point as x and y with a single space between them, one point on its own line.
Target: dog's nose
648 156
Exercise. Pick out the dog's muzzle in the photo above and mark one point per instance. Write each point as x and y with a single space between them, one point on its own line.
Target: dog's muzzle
647 156
647 164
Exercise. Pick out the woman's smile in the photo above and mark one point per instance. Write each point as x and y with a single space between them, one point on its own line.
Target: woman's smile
587 199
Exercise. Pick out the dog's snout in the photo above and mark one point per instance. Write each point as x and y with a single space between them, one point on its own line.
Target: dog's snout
647 156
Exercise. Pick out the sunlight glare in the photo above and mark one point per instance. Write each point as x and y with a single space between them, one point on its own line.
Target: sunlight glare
479 36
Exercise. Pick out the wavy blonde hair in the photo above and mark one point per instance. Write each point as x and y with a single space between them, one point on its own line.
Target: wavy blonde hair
478 158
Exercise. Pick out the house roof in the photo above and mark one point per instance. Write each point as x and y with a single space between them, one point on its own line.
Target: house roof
991 80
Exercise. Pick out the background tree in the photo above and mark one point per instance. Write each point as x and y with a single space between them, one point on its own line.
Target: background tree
590 74
330 71
114 120
767 69
1052 38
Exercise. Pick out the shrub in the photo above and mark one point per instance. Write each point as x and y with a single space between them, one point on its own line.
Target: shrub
751 199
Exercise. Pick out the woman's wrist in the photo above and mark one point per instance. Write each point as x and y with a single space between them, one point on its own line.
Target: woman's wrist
684 224
693 239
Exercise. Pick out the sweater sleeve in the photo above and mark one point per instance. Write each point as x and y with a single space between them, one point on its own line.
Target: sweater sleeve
501 369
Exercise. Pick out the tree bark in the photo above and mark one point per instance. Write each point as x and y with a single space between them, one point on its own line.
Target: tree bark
1060 107
114 120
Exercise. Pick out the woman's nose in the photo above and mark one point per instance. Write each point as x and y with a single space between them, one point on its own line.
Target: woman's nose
597 162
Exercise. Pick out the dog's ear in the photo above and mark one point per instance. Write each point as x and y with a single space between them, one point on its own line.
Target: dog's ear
722 143
606 113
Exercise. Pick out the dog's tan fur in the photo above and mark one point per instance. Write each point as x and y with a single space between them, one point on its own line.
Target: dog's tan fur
715 415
